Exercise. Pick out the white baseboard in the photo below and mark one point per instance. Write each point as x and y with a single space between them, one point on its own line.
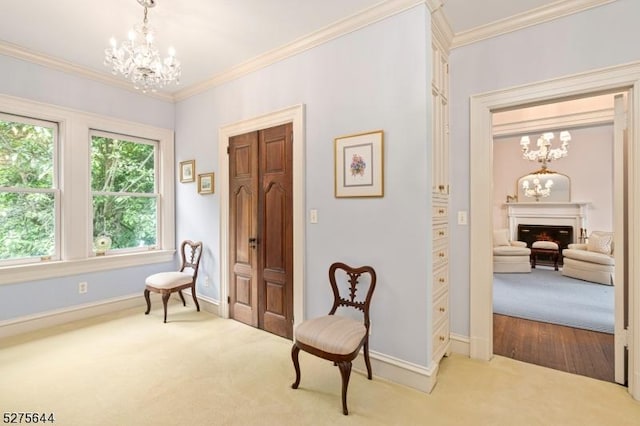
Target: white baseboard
62 316
398 371
405 373
47 319
384 367
460 344
206 303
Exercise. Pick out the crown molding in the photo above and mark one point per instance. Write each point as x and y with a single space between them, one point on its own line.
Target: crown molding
441 29
345 26
566 121
533 17
19 52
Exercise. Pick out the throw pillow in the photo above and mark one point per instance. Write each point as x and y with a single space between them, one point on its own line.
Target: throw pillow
600 243
501 237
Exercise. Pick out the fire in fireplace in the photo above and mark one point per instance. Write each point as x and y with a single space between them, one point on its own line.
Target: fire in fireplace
562 235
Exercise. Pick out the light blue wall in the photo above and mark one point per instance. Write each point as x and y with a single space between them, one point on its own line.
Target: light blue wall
34 82
600 37
34 297
374 78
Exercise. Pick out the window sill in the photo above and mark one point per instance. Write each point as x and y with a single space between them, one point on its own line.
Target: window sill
55 269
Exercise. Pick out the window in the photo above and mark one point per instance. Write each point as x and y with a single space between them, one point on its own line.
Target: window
62 184
123 188
29 195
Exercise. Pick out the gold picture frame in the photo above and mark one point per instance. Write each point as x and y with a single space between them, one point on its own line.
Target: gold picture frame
206 183
187 171
359 165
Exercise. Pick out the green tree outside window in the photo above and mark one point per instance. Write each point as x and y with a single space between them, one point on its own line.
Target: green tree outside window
123 184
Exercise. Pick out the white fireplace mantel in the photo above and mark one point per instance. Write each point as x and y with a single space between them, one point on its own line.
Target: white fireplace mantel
543 213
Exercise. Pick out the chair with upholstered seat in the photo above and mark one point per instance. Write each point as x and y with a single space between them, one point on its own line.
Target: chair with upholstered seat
509 256
339 338
593 261
166 283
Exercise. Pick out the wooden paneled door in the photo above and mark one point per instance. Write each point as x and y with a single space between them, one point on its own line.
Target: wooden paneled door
261 229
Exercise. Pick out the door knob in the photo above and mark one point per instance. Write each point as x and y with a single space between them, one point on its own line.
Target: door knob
253 242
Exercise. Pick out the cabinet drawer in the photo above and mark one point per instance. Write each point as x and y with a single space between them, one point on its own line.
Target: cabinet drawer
440 233
440 281
440 212
440 256
440 340
441 308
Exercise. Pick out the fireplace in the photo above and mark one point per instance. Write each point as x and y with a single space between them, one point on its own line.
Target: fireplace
573 215
562 235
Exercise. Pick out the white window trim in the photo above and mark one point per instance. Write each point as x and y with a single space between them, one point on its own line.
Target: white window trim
54 189
155 194
76 250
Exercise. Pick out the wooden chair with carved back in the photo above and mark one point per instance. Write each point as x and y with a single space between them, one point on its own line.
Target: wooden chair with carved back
339 338
166 283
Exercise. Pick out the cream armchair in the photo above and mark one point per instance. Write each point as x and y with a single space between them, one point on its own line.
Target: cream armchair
593 261
509 256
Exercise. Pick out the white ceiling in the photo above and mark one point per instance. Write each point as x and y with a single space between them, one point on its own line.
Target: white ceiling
210 36
464 15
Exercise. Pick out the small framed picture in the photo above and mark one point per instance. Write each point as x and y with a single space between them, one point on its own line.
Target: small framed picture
359 165
205 183
187 171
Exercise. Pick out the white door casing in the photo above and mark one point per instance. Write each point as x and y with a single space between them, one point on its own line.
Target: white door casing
613 79
622 112
295 115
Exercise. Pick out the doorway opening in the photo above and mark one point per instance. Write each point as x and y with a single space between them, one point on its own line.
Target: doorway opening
572 332
614 79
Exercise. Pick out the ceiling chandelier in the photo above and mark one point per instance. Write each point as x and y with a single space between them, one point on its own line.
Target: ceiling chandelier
544 154
138 59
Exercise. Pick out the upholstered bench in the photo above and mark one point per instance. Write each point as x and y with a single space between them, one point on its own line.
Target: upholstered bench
548 248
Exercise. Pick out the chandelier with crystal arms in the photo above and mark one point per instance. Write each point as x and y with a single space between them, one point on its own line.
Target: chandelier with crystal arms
138 59
536 190
545 154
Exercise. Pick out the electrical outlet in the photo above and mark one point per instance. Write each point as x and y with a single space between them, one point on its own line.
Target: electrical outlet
83 287
206 281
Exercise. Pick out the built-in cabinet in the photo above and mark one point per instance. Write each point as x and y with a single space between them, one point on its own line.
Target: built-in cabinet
440 286
440 201
440 107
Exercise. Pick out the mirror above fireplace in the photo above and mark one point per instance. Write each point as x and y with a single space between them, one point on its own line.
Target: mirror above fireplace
544 186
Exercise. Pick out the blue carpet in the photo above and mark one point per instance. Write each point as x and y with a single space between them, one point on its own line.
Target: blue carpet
545 295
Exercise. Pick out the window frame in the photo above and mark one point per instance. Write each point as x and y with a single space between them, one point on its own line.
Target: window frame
76 227
54 189
155 194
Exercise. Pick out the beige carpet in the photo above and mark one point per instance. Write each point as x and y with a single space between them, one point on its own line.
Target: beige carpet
130 369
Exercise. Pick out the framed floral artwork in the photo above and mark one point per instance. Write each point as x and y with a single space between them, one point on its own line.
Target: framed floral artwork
359 165
187 171
205 183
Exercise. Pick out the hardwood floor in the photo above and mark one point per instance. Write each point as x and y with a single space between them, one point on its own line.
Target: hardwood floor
583 352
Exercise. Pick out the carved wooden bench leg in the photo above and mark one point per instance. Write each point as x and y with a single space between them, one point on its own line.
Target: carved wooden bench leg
193 294
296 364
345 372
146 297
367 361
165 299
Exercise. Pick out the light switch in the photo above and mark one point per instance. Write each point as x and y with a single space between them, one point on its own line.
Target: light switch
462 217
313 216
